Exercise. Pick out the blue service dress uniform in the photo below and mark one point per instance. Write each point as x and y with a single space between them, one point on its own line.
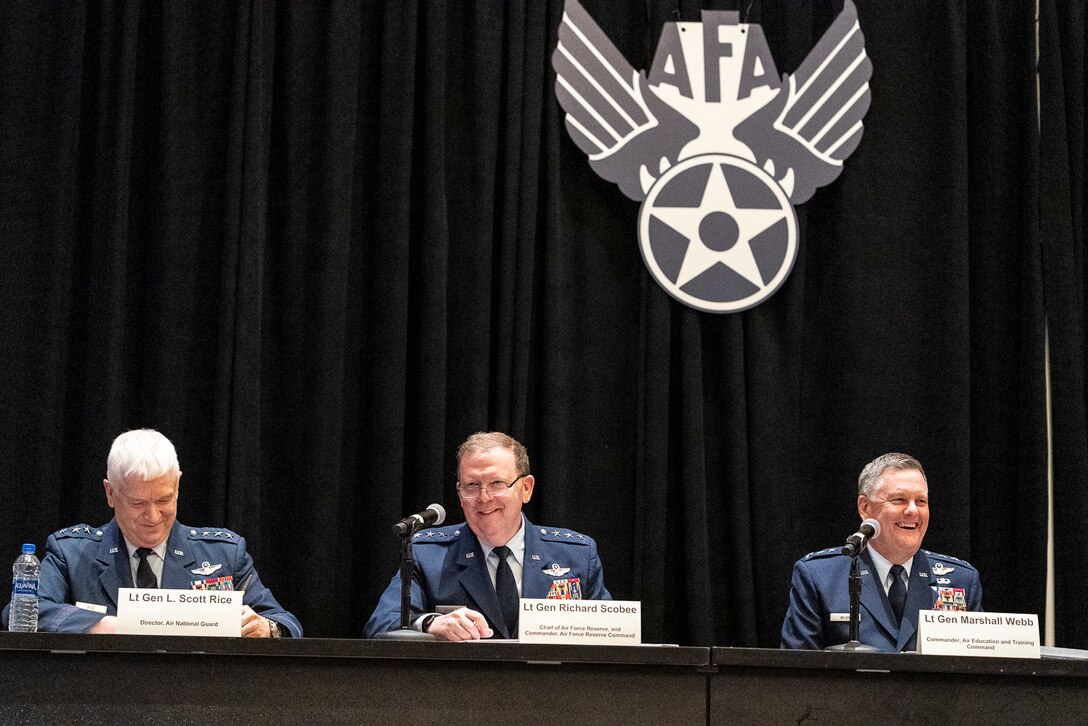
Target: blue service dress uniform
821 589
85 564
450 570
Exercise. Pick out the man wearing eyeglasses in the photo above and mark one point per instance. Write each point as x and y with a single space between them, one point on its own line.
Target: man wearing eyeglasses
898 577
477 570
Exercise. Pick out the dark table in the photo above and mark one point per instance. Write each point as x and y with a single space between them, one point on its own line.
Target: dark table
754 686
130 679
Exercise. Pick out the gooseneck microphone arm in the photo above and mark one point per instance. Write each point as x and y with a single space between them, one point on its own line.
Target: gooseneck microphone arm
855 598
855 545
406 529
407 568
434 514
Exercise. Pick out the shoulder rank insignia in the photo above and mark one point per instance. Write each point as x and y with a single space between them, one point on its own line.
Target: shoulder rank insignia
942 569
555 570
824 552
561 535
205 569
80 530
218 534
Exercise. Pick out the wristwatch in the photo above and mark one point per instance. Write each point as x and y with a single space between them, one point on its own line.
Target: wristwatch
274 629
427 622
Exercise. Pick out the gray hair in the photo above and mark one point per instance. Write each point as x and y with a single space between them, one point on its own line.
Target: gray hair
141 455
485 441
870 475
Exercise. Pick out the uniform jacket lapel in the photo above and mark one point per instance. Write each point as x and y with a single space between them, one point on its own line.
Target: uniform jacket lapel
873 599
114 570
919 597
534 583
474 578
179 559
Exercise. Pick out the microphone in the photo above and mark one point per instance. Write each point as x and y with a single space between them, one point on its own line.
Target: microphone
856 542
432 515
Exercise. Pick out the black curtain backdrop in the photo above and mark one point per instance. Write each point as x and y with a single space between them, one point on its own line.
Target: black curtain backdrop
1062 65
318 244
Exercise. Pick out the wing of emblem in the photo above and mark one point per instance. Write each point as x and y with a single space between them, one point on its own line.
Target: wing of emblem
630 135
802 136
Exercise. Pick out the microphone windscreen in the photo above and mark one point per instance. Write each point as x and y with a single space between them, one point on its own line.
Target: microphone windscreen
875 525
440 512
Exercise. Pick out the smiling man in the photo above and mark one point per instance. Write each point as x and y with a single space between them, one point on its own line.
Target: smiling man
898 577
477 570
145 546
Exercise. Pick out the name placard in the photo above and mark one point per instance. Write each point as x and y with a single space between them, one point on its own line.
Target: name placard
179 612
585 622
994 635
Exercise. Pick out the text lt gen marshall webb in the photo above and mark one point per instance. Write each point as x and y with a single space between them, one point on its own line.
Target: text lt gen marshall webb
973 619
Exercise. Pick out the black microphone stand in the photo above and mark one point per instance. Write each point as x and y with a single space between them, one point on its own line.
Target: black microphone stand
854 644
407 568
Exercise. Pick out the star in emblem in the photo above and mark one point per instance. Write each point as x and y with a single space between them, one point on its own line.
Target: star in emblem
719 231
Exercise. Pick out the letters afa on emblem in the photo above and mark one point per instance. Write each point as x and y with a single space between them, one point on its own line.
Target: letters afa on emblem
717 147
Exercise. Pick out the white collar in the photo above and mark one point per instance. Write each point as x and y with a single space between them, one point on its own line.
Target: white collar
159 549
515 543
883 566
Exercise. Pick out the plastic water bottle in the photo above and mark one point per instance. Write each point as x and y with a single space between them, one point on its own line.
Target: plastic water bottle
24 592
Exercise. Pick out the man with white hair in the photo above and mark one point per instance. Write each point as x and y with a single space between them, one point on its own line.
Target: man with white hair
145 546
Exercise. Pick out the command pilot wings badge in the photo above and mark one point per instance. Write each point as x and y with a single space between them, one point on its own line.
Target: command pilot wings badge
714 144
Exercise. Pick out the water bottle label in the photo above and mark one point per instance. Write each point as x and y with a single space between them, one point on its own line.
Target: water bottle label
24 587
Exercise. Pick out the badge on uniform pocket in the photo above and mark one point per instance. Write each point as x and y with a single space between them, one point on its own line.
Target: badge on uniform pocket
569 588
950 598
215 583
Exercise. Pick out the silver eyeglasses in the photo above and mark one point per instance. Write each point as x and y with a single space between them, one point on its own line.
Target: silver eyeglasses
471 490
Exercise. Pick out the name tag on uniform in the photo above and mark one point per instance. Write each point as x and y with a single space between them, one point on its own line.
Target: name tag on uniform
92 607
843 617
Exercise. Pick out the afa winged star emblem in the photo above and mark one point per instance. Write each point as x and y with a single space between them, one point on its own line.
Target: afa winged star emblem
715 145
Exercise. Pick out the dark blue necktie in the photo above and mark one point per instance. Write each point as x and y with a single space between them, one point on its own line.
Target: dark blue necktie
897 593
507 591
145 576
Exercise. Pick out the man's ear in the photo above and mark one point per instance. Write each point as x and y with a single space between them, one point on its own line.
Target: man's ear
865 506
527 483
